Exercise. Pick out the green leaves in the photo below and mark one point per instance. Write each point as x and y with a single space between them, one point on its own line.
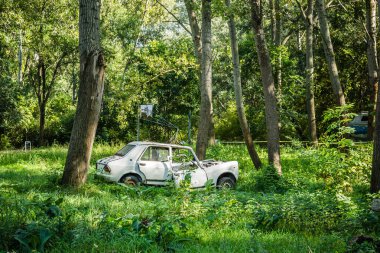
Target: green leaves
336 120
33 237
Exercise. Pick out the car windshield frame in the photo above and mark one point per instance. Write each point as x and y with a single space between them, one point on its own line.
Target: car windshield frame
125 150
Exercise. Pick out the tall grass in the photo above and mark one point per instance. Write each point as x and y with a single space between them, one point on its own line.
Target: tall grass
317 206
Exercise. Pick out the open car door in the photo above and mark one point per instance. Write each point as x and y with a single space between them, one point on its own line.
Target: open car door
186 167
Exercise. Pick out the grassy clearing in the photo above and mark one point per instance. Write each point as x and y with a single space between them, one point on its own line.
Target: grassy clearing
319 205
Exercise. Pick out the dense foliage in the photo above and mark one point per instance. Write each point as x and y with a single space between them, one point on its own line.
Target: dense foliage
320 205
150 59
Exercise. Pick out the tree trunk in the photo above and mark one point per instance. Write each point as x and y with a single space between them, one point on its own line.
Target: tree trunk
42 108
329 53
271 114
195 31
309 21
91 85
42 100
196 36
19 76
238 93
375 175
277 41
206 111
372 61
273 24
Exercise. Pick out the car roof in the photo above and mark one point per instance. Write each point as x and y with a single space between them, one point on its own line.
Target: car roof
148 143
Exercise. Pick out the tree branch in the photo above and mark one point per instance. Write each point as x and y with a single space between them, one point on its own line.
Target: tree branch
302 10
175 17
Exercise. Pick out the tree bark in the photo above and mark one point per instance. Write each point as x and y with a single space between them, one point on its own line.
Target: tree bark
277 42
273 24
42 100
19 76
195 31
329 53
372 61
206 110
196 36
271 113
91 86
42 108
375 175
310 105
238 93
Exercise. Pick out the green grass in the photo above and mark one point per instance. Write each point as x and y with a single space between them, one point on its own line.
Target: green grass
319 205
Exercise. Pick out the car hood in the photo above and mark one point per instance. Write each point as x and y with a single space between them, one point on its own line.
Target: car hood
108 159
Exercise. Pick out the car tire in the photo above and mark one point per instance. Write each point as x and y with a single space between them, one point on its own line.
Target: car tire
130 180
226 183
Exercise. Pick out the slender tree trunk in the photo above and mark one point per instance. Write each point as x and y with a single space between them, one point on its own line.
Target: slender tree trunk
195 31
196 36
273 24
310 105
375 176
372 61
42 100
19 76
206 111
42 108
271 113
329 53
74 83
238 93
299 39
277 41
91 85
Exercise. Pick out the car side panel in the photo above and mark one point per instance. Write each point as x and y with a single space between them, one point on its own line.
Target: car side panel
215 171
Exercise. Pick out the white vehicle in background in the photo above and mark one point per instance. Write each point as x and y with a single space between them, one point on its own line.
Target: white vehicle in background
153 163
360 125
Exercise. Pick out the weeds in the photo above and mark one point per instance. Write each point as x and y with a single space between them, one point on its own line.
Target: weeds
318 205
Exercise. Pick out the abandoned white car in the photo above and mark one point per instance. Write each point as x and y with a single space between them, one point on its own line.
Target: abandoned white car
156 164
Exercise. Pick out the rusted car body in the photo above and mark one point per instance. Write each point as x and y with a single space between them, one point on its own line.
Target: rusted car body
153 163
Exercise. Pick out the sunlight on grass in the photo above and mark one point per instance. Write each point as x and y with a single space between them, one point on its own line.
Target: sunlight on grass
317 206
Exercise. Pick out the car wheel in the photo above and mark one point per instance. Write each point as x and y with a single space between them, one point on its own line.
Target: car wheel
226 183
130 180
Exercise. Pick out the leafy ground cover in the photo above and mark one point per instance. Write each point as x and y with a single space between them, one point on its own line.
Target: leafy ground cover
319 205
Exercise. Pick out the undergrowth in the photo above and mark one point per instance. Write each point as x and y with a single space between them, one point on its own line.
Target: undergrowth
320 204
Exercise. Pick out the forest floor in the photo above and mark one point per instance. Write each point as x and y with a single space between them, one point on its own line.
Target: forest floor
321 204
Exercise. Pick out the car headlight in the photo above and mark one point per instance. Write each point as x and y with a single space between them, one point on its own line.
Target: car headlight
107 169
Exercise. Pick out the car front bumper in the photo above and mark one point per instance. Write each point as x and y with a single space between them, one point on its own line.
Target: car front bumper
106 177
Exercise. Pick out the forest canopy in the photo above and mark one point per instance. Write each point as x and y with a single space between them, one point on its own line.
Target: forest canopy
150 60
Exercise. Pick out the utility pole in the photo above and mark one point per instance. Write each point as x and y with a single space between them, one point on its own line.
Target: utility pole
189 127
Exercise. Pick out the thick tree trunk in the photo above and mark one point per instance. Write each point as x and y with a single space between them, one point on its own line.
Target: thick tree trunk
310 105
329 53
238 93
91 85
206 111
271 114
375 176
372 61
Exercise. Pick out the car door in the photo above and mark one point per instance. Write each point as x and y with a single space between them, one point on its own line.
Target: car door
155 165
185 165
